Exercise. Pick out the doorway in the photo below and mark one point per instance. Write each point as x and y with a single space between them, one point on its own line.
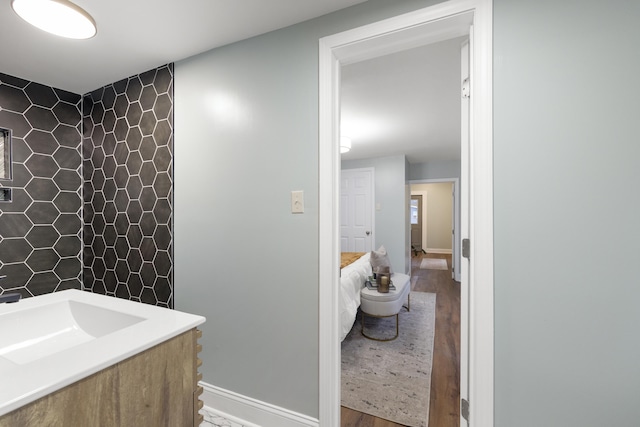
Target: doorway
447 20
435 220
455 220
418 223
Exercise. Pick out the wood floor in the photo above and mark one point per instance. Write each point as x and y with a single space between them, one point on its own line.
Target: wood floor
444 409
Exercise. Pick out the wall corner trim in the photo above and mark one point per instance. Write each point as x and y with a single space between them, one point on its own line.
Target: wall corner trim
250 412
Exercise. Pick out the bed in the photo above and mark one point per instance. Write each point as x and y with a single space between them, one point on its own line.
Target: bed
355 267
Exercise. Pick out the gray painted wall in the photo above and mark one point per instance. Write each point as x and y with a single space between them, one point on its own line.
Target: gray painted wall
391 205
566 144
243 143
435 170
566 149
246 135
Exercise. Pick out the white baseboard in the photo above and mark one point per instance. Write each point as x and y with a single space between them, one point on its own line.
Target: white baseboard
250 412
439 251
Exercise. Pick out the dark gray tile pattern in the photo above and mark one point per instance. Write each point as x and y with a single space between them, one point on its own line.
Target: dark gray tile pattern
128 190
40 230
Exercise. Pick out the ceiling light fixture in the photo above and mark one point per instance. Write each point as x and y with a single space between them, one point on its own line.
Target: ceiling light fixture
345 144
59 17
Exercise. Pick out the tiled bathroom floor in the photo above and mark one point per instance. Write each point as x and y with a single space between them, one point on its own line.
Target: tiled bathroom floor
211 420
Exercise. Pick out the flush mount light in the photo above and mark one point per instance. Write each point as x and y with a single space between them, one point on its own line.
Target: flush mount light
345 144
59 17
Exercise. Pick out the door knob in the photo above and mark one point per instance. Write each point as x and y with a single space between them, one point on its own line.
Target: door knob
368 232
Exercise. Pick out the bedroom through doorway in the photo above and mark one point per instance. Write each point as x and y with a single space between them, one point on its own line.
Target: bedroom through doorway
403 94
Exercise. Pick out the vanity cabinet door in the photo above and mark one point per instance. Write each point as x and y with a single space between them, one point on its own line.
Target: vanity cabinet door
157 387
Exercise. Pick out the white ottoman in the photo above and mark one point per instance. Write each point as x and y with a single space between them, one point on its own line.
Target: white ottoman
376 304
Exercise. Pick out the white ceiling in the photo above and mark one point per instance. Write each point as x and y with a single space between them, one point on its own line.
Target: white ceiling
404 103
137 35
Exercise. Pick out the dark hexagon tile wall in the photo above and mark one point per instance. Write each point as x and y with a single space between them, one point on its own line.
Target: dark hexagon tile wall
40 230
128 195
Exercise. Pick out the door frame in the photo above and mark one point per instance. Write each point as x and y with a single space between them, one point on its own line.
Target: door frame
423 231
435 23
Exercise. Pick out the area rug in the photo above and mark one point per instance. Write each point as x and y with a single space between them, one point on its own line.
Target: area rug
434 264
392 379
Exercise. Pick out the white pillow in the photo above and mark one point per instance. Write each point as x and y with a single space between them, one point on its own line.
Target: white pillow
380 258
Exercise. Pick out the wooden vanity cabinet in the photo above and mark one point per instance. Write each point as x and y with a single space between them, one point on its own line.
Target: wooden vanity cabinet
158 387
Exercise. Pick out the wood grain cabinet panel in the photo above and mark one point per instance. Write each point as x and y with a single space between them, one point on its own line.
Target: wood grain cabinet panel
158 387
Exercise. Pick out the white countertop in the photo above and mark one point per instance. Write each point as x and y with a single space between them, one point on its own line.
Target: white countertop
50 341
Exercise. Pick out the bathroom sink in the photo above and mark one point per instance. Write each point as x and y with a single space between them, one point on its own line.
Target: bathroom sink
32 334
51 341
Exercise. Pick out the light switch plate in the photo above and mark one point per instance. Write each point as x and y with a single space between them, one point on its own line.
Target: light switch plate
297 201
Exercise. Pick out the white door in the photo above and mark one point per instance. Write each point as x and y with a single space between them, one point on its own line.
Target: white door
464 230
356 210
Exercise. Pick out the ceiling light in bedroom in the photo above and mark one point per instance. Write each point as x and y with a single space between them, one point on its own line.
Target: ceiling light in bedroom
345 144
59 17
